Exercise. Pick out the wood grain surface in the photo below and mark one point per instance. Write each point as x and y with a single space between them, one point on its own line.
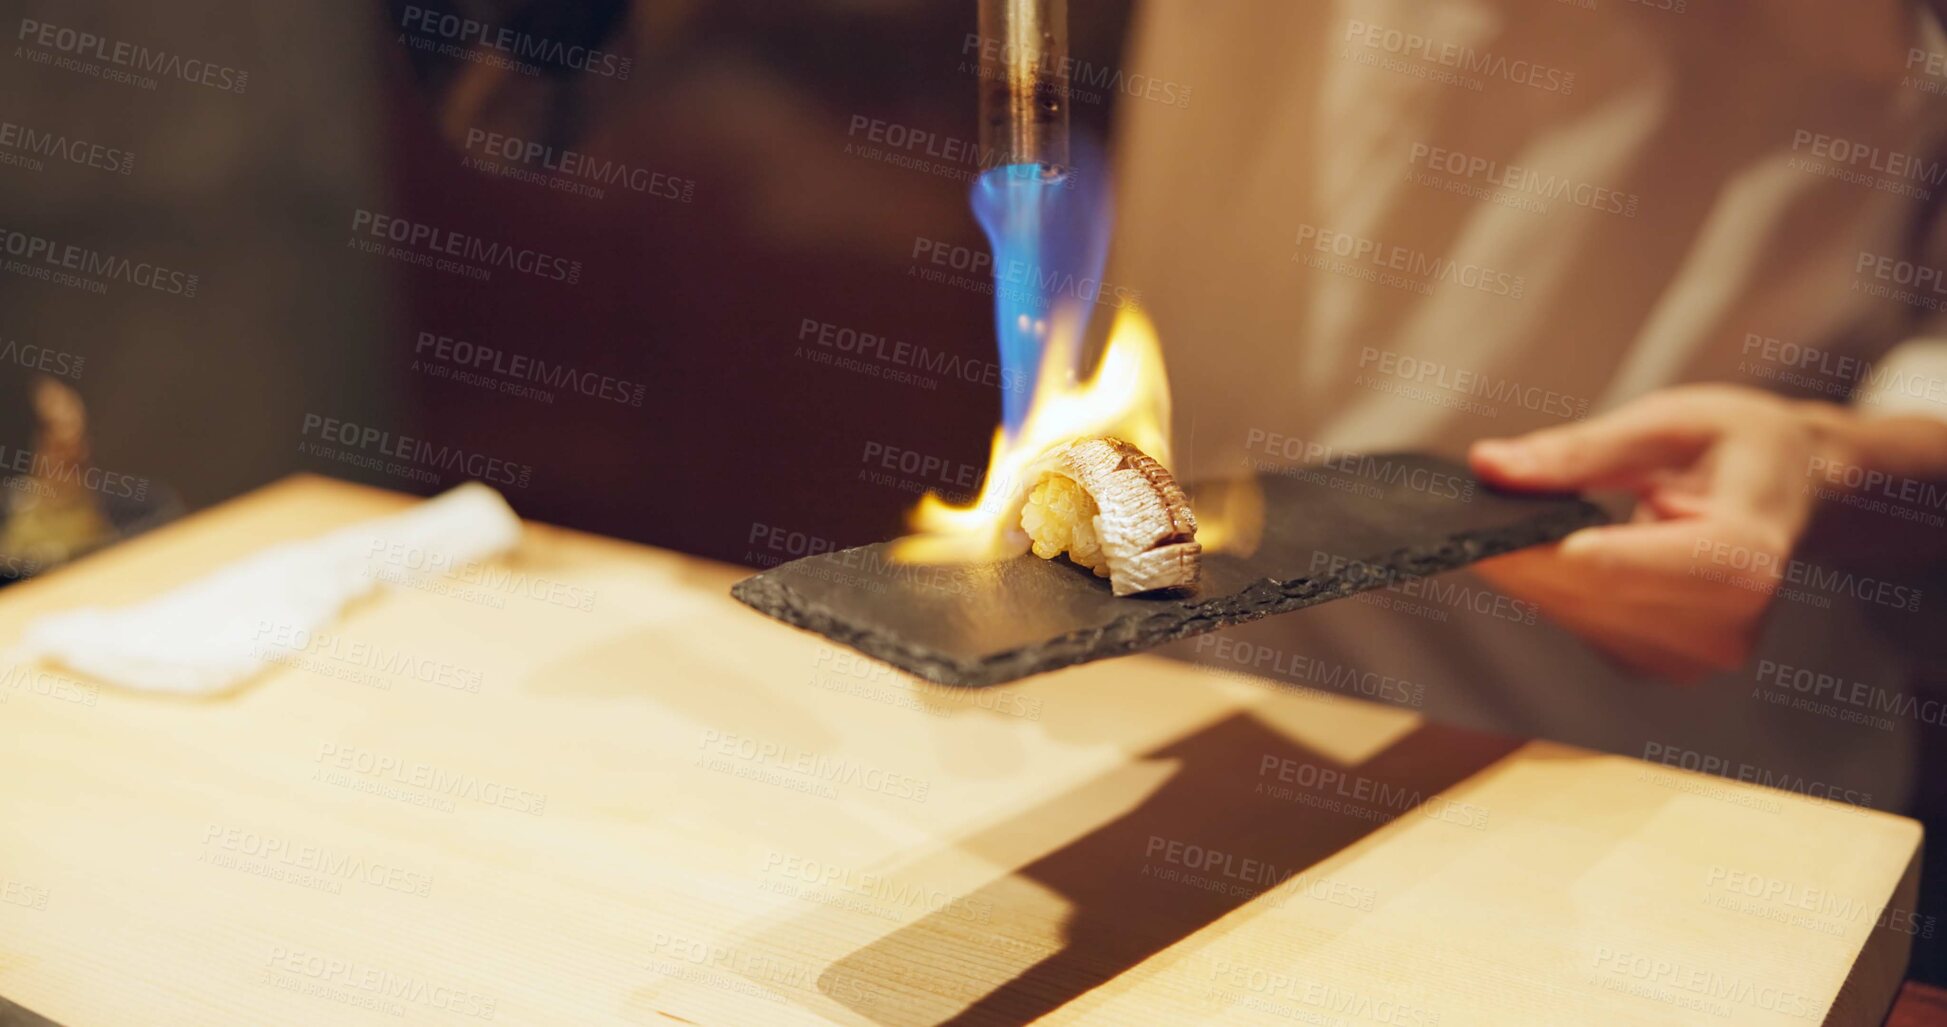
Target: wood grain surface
583 785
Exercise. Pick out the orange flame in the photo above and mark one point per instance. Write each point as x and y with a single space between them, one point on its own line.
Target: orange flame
1127 396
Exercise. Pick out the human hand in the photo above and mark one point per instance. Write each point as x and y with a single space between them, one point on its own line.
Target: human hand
1719 476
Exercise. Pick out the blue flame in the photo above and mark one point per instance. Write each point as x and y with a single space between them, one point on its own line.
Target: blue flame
1049 231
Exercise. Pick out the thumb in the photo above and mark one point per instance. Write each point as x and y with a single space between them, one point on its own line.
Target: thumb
1616 450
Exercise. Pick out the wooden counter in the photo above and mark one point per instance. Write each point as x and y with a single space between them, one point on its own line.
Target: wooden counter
584 786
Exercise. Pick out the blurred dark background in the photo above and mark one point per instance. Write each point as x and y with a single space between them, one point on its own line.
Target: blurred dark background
740 155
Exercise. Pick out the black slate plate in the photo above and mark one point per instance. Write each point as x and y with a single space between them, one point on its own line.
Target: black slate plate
1330 531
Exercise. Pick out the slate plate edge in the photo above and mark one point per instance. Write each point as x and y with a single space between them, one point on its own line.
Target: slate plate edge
1263 599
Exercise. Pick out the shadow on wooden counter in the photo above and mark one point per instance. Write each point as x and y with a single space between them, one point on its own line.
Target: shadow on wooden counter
1247 810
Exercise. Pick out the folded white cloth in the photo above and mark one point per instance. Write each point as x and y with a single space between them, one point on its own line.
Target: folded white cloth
210 634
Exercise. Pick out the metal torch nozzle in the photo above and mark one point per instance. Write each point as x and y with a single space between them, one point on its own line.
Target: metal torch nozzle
1024 82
